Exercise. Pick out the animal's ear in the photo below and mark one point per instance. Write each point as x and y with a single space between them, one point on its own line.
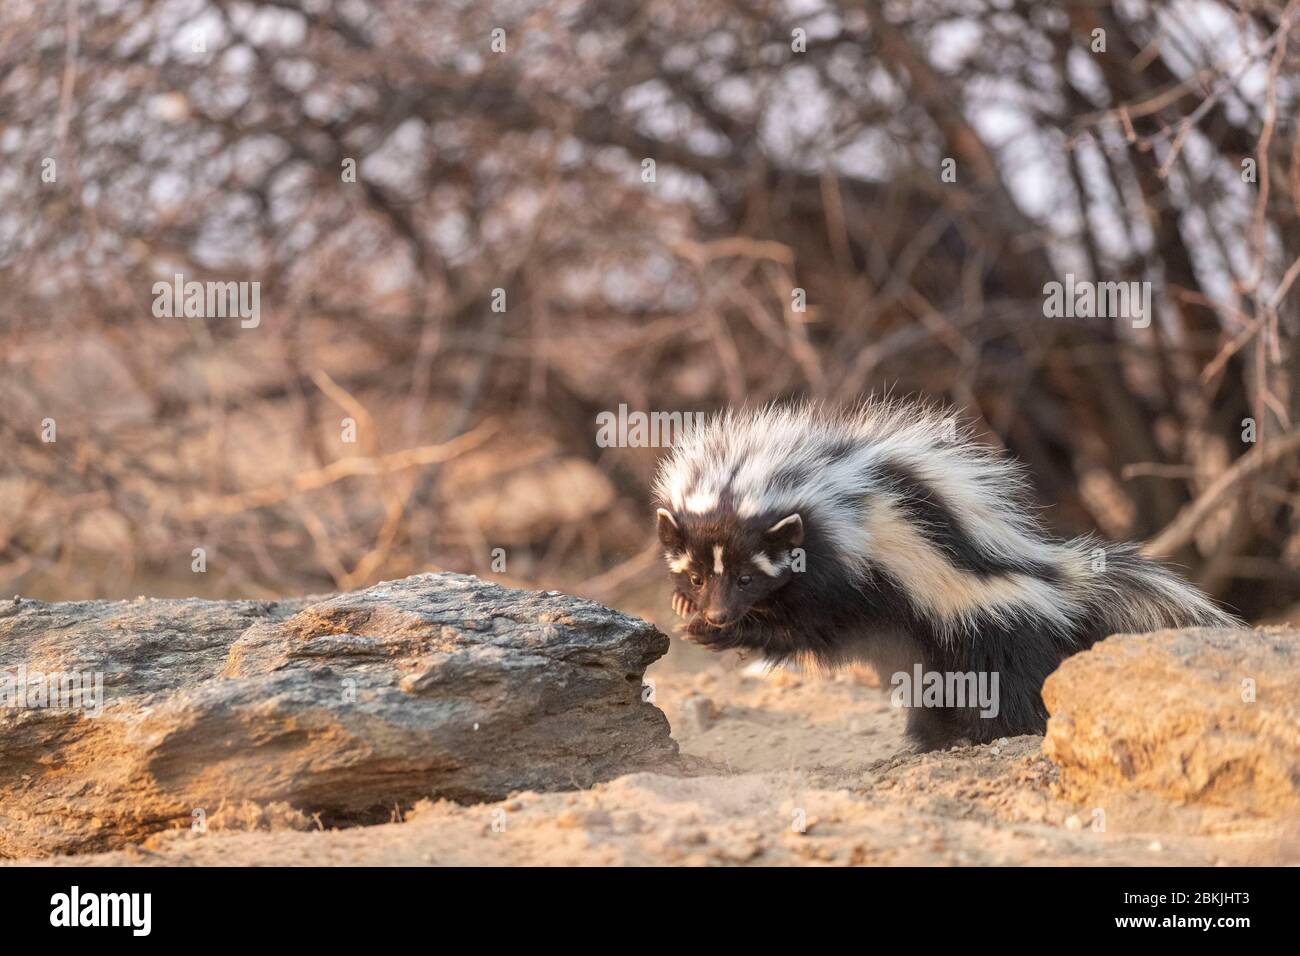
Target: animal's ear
670 533
786 533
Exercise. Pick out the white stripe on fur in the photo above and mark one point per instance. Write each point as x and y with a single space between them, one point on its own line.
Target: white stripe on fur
953 598
839 453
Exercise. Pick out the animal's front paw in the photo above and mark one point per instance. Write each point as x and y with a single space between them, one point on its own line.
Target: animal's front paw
703 634
683 606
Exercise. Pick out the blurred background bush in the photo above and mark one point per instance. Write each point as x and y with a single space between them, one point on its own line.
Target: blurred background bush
500 154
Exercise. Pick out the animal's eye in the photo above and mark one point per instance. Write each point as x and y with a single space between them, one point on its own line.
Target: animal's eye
696 580
744 580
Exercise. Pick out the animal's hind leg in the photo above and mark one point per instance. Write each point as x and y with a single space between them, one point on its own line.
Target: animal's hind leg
938 728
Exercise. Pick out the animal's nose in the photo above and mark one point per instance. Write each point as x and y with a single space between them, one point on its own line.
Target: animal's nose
717 618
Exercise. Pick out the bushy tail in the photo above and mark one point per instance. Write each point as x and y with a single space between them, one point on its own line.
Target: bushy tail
1127 593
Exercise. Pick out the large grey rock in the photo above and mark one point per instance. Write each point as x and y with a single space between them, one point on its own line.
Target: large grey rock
346 707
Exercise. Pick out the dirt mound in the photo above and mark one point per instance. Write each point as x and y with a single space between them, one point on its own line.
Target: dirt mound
1198 716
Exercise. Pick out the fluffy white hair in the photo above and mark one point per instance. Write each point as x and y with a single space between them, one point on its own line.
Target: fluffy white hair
785 458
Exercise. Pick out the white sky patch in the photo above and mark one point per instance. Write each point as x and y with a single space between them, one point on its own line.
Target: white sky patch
1031 164
796 116
871 156
953 43
1083 72
736 95
814 16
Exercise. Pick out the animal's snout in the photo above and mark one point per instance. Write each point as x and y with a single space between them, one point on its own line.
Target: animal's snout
718 618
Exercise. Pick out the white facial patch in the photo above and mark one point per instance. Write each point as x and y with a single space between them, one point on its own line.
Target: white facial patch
677 563
717 559
766 564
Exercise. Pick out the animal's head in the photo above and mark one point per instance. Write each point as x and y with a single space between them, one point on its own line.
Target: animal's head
727 565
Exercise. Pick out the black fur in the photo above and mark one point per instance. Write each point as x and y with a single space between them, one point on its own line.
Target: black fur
1008 601
828 614
835 615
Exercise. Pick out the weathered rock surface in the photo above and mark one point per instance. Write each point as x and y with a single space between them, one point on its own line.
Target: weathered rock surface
1197 716
439 685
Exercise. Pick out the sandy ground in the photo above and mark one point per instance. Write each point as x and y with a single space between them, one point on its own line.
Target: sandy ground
777 768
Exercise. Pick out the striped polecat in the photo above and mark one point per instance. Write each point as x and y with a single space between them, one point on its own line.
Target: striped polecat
884 533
